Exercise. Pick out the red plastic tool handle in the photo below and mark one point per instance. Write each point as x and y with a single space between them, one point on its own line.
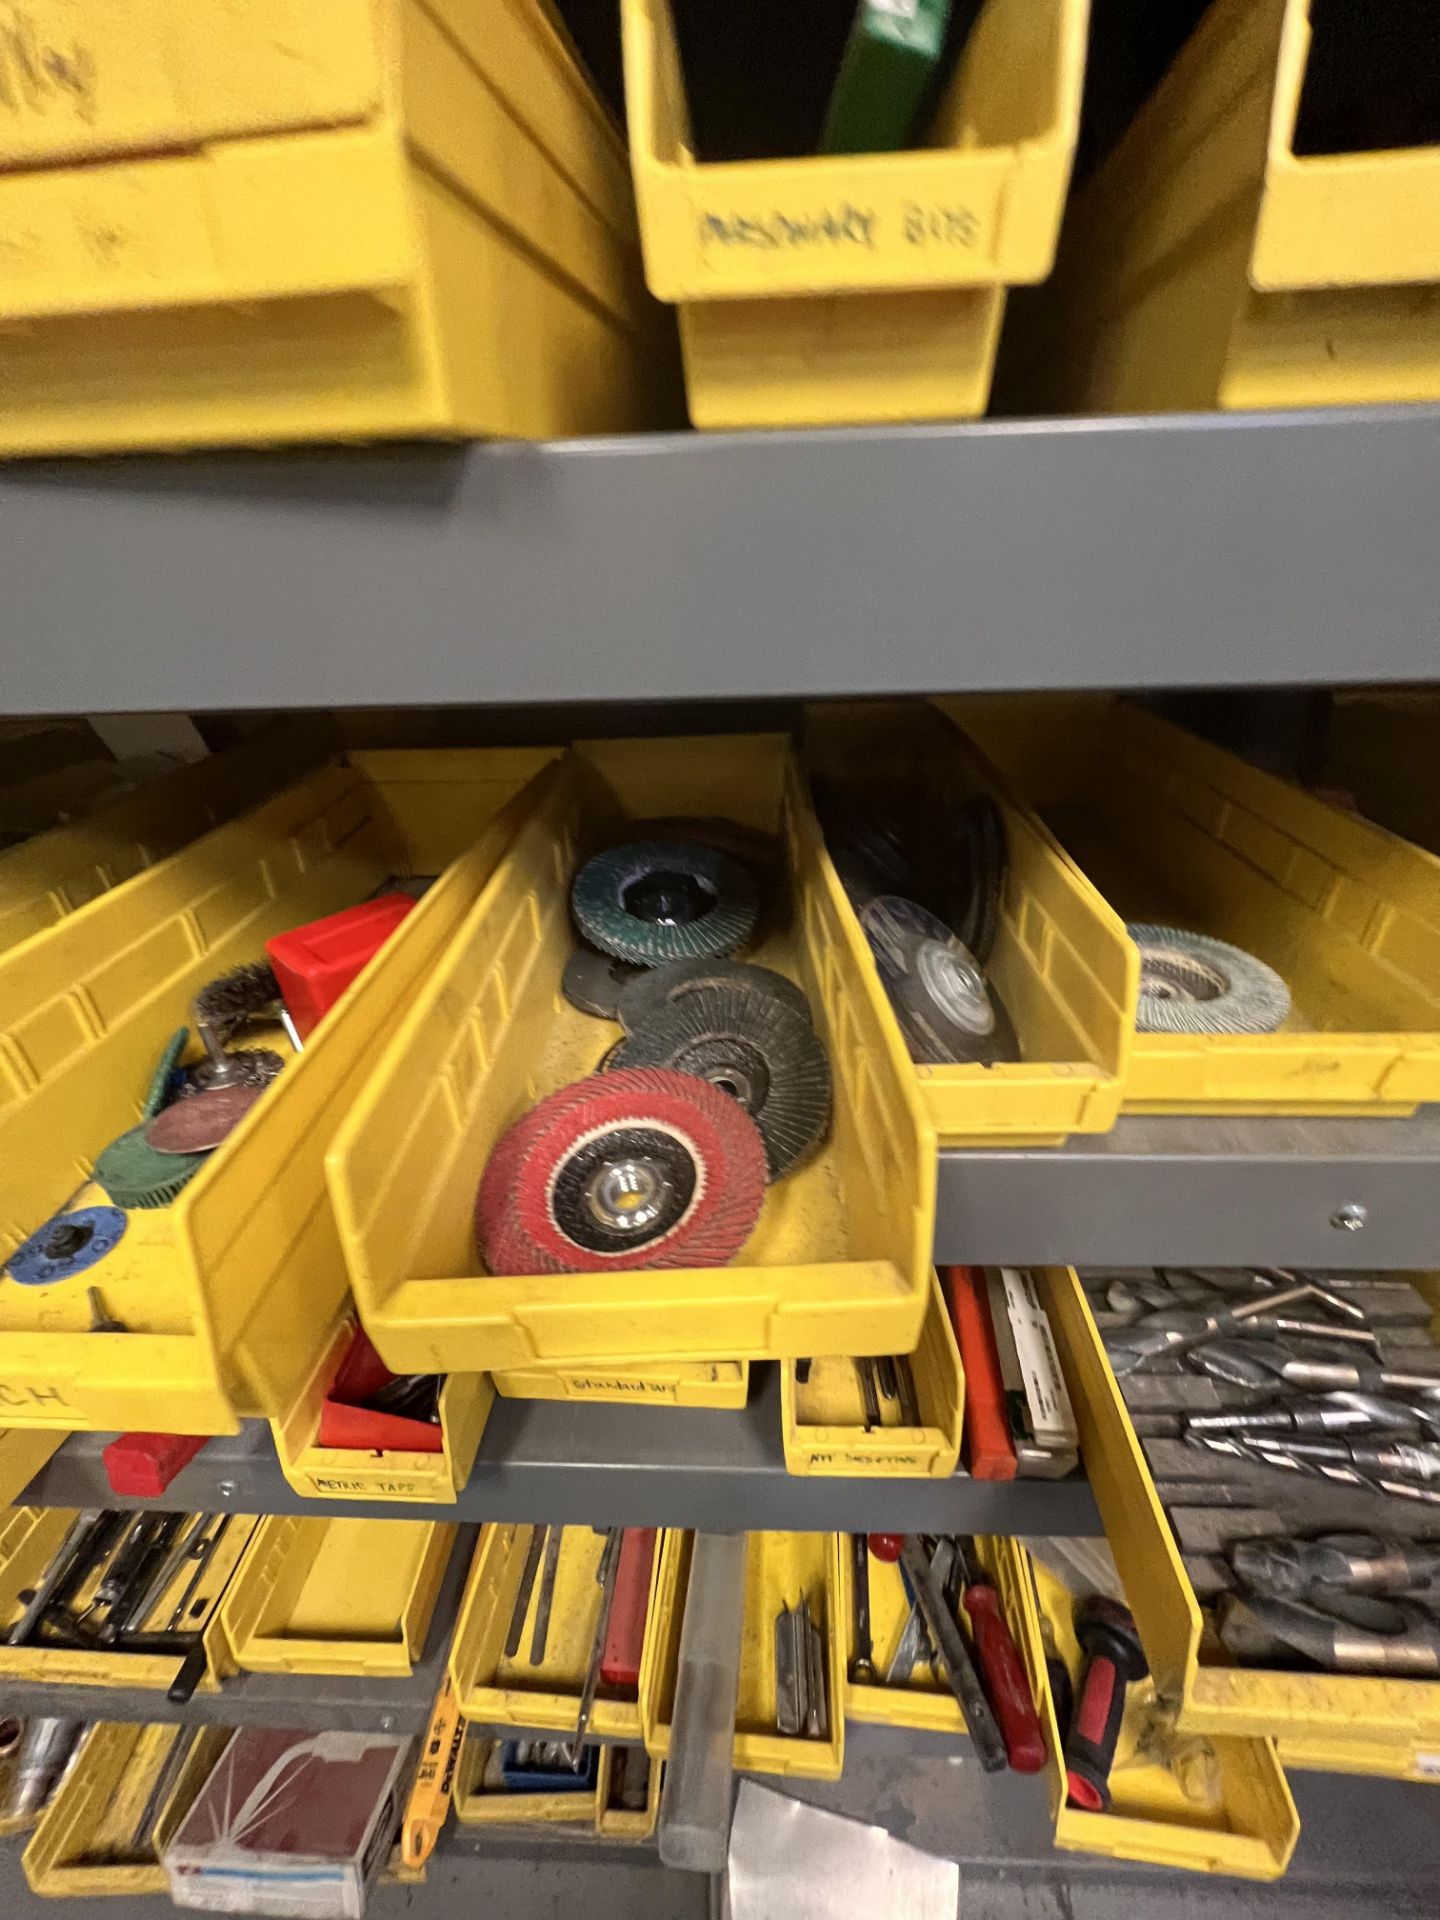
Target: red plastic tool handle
989 1449
998 1659
620 1659
1094 1730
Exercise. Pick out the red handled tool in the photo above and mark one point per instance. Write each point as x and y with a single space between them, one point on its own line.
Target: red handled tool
1114 1658
1002 1673
625 1634
989 1450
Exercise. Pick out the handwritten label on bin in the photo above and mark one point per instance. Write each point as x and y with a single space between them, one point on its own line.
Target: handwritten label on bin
20 1402
840 228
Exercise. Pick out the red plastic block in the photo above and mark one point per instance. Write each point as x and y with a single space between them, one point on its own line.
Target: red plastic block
316 963
620 1660
142 1465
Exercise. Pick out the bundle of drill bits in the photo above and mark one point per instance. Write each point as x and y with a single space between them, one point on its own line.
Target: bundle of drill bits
885 1384
1291 1422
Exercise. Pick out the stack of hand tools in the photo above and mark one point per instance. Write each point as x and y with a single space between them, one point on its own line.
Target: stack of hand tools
956 1629
1291 1421
127 1583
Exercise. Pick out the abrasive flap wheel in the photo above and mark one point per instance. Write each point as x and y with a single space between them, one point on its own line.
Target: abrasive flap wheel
646 993
1190 983
594 981
948 1012
754 1048
652 901
626 1170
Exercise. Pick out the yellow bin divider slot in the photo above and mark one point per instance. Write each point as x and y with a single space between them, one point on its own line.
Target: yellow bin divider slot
780 1568
355 1473
1175 830
336 1596
380 217
614 1822
667 1383
924 1700
87 1843
1062 963
1210 263
477 1805
1243 1820
23 1452
30 1537
822 1423
1375 1725
840 1261
508 1691
231 1292
44 878
854 287
1381 749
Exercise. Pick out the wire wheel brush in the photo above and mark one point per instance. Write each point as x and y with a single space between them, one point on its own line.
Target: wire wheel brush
624 1170
754 1048
652 901
1190 983
644 994
948 1012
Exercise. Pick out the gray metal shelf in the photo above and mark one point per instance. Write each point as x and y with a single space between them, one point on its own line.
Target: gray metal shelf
1215 1193
1172 551
581 1465
317 1702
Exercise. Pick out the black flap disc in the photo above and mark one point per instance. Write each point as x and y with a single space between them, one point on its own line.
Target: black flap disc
949 1013
645 993
652 901
753 1047
593 981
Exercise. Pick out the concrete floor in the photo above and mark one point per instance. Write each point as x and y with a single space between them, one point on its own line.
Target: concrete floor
1369 1850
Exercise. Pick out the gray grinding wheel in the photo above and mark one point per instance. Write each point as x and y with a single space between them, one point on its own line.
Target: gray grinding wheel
593 982
645 993
1190 983
755 1048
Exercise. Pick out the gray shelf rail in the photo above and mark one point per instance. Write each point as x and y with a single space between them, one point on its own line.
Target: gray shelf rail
1261 549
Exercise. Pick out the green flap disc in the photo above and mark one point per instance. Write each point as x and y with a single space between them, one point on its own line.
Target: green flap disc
135 1175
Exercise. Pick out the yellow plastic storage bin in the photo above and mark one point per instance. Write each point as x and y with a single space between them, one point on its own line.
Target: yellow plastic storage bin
669 1383
1381 753
501 1690
477 1805
1215 260
314 220
866 287
840 1259
1344 1722
23 1452
43 879
1246 1824
357 1473
1062 963
336 1596
1175 830
30 1537
925 1700
89 1841
230 1293
822 1422
780 1570
626 1826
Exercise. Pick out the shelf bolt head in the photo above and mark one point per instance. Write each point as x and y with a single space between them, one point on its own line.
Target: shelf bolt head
1349 1219
227 1489
387 1723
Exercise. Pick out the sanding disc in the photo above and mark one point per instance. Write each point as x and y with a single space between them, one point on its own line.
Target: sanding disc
161 1090
201 1123
752 1047
628 1170
949 1013
1190 983
652 901
67 1245
593 982
134 1174
646 993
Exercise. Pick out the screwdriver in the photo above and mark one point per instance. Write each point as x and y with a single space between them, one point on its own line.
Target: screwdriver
1001 1672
